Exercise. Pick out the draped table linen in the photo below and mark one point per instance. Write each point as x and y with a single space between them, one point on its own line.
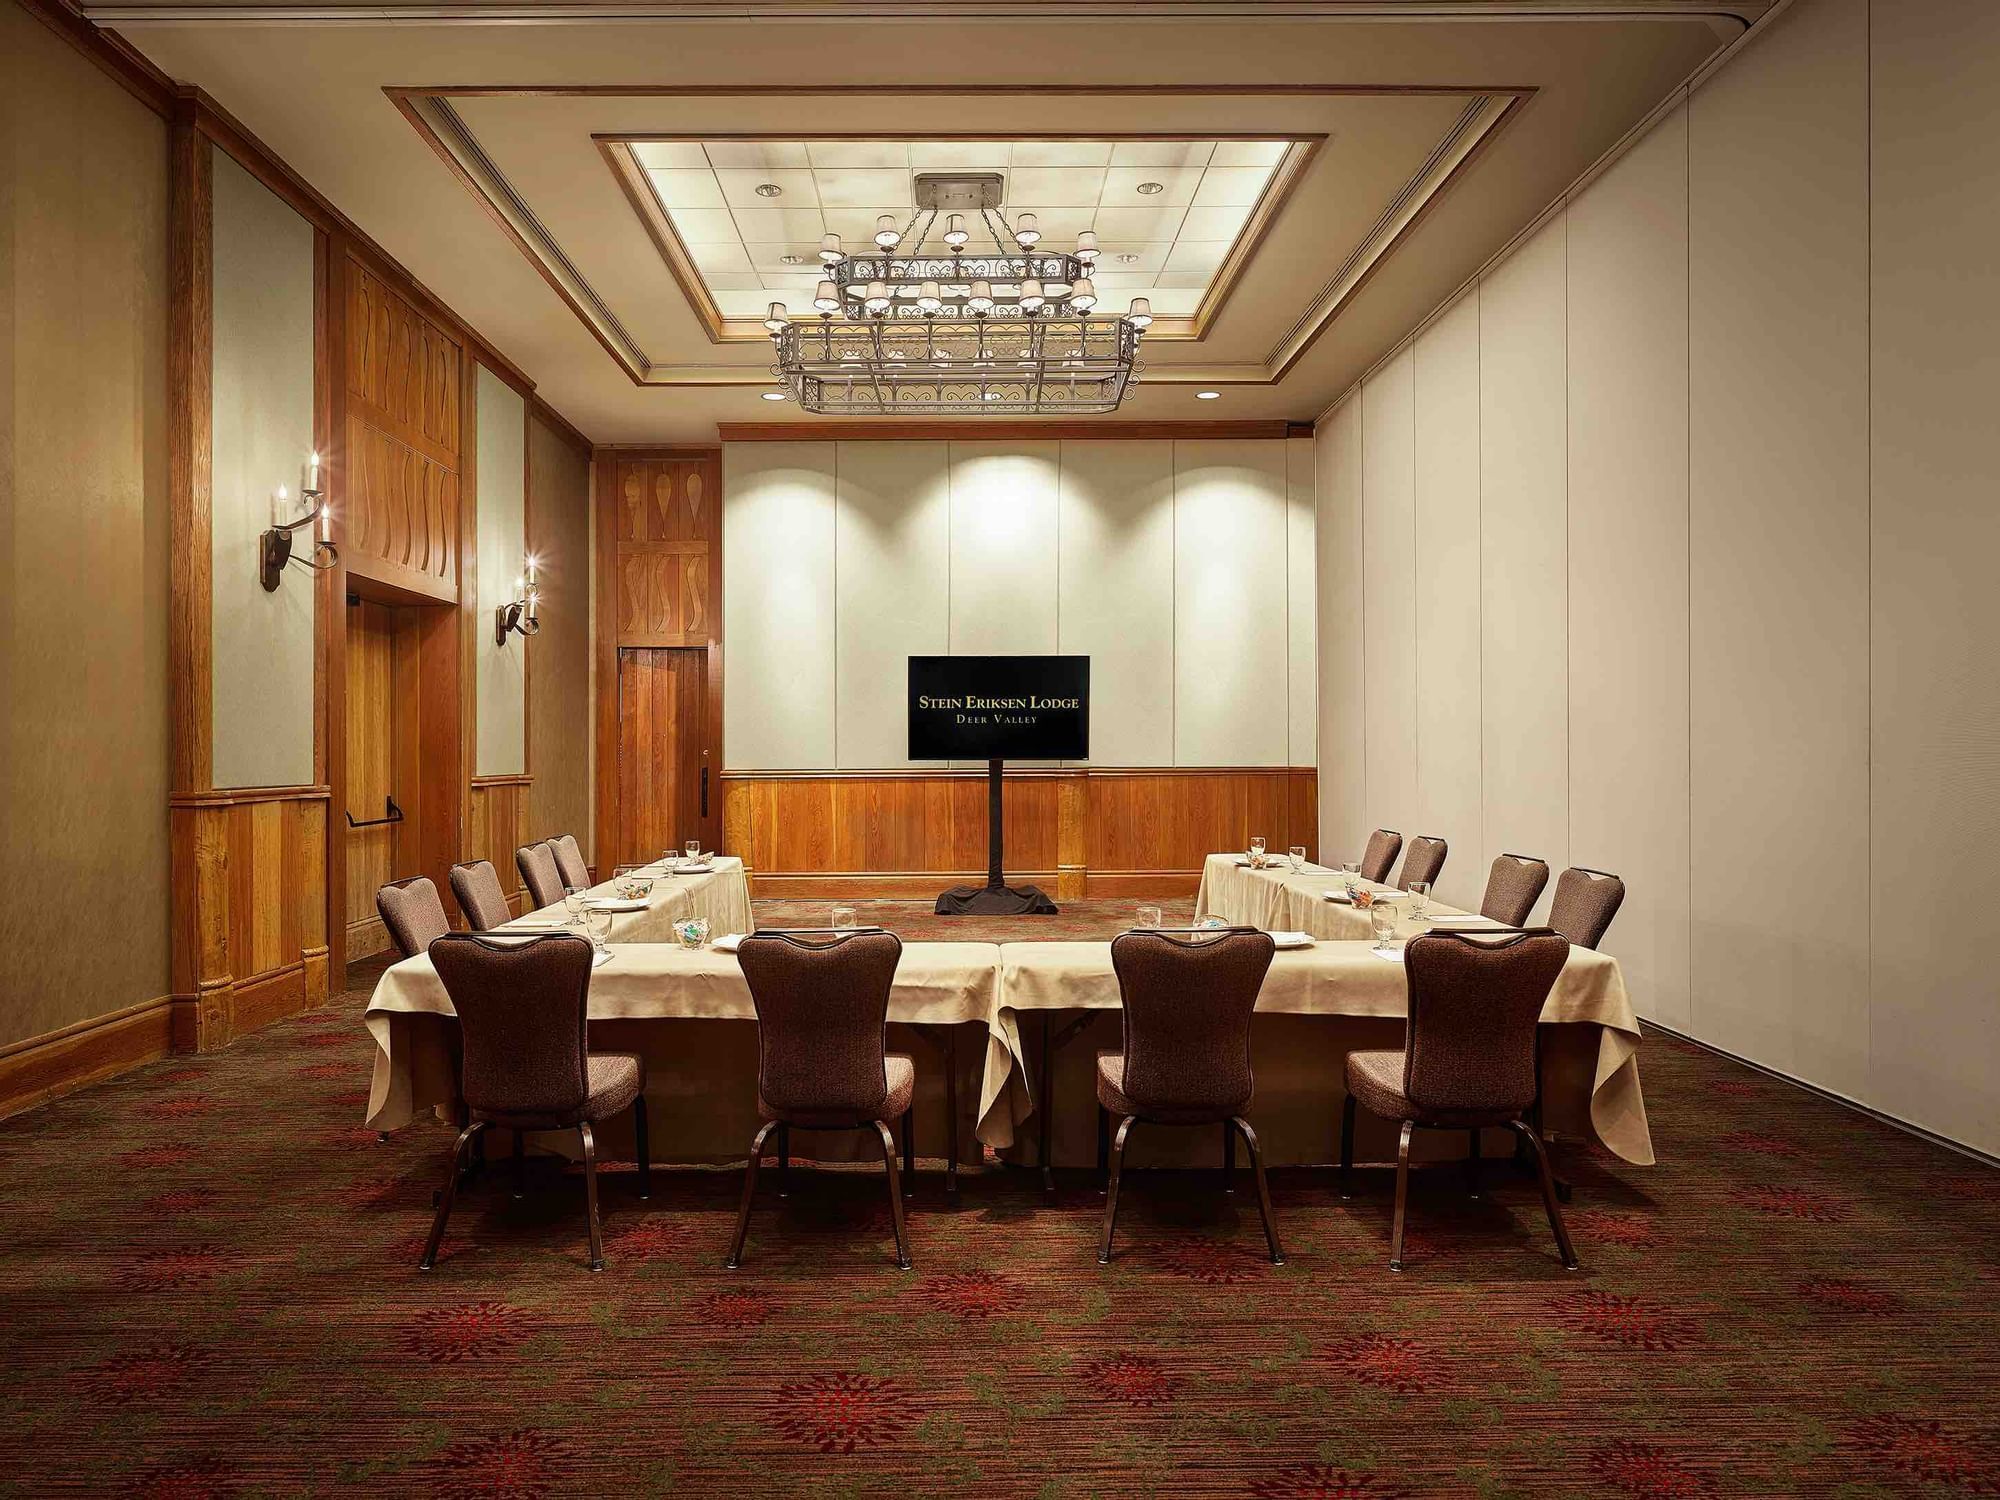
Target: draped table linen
721 894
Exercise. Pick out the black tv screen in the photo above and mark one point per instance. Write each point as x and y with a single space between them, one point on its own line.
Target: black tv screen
999 707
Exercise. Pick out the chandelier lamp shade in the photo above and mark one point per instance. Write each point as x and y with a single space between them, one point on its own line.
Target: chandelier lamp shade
904 329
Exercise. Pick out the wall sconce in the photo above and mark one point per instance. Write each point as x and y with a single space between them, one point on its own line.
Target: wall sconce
520 613
276 547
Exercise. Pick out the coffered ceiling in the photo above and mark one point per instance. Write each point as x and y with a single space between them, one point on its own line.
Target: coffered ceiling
586 191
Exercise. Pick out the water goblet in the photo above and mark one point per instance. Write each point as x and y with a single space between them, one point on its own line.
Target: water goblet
1382 917
1148 918
573 904
844 919
1350 876
1257 853
693 847
1297 855
1420 897
597 927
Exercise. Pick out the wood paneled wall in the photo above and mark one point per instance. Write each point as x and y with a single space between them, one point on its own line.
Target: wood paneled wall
497 827
667 511
1079 831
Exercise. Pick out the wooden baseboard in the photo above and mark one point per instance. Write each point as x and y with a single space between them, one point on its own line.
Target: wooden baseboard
366 938
46 1067
875 885
1106 885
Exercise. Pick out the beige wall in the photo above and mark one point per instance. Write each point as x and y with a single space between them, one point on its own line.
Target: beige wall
562 744
83 536
262 437
1720 431
1184 570
501 667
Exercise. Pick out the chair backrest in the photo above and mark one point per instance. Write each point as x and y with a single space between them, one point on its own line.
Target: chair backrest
521 1011
822 1017
412 912
1187 1017
1384 844
477 886
1513 887
538 870
1474 1005
1424 862
570 863
1584 904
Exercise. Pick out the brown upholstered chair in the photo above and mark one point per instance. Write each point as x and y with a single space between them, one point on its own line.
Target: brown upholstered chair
537 863
1186 1053
1384 844
1584 904
527 1064
476 884
569 860
412 912
1469 1060
1424 861
1513 887
822 1024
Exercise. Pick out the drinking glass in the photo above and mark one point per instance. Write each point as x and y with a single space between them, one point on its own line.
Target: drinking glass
693 847
1350 876
1420 897
626 881
1382 916
573 904
844 918
597 927
1148 919
1298 857
1257 852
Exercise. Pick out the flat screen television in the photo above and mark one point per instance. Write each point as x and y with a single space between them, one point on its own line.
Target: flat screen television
999 707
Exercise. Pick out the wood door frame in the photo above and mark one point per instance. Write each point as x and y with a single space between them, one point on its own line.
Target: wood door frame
692 792
604 588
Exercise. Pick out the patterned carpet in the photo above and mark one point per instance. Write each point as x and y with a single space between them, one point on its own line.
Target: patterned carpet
208 1287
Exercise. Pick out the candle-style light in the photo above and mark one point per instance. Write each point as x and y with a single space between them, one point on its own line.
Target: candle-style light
826 297
1086 247
930 297
1141 315
829 250
886 233
981 300
954 232
1027 230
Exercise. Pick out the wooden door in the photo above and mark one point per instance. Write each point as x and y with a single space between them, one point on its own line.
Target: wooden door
662 761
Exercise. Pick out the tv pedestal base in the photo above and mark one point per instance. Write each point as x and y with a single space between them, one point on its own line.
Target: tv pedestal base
996 898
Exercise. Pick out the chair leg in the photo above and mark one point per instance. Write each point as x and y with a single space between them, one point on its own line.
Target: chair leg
1263 1190
459 1153
910 1149
1472 1165
951 1113
749 1193
1103 1148
520 1166
1228 1156
1347 1147
590 1194
1402 1195
784 1160
1528 1133
1111 1190
895 1195
645 1154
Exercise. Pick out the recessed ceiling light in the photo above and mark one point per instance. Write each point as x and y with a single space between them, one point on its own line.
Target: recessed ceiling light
791 260
768 190
774 395
1146 189
1128 258
1208 395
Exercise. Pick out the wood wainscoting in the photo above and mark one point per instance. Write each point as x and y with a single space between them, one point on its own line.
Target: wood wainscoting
499 826
250 940
1076 831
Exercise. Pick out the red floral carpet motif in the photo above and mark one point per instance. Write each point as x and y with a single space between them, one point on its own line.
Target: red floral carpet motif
326 1038
1794 1203
1844 1294
180 1075
515 1466
473 1330
974 1294
1759 1142
1129 1380
1213 1262
175 1266
1649 1472
1633 1321
651 1238
185 1107
1612 1227
840 1413
1322 1482
180 1201
161 1368
736 1309
204 1479
1927 1451
324 1072
1385 1360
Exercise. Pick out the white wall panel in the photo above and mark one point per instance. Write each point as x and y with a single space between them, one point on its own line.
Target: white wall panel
1117 593
1628 560
501 475
1934 609
1301 599
1446 386
1340 587
1524 555
892 559
1778 643
1003 547
261 430
778 602
1230 627
1389 556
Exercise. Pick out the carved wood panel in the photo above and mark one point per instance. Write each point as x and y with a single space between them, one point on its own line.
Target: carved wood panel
668 514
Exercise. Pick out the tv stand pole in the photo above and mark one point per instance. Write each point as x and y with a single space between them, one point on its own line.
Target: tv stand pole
996 898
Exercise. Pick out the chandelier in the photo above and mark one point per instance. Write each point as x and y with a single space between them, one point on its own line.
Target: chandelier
909 329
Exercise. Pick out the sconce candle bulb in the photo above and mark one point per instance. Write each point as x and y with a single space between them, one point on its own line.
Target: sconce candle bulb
521 614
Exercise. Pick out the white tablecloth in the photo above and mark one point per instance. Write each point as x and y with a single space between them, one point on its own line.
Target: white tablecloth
722 895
